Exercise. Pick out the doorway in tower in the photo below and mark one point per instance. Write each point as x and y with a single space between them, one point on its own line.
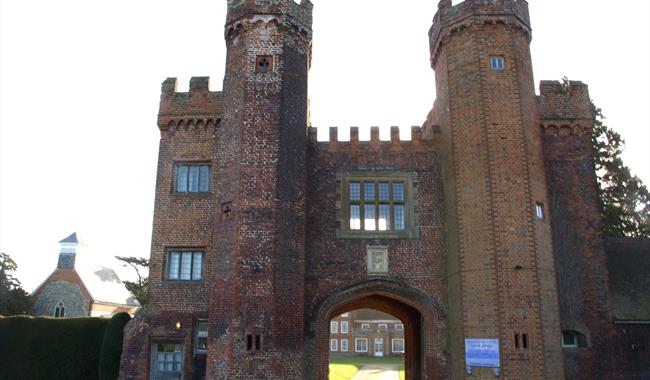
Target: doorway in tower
366 341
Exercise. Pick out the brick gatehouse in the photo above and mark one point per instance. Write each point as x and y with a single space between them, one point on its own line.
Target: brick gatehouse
262 234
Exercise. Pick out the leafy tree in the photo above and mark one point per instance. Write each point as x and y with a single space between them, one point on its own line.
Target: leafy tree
13 299
139 289
625 199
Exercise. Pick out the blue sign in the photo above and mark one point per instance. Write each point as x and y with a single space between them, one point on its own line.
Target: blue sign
482 353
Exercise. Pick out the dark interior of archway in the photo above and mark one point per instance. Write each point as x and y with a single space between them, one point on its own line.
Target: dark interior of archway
409 316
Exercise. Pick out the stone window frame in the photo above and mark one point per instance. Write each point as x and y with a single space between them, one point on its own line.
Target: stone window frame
363 326
153 357
383 326
343 179
198 332
168 253
356 344
59 310
189 164
399 327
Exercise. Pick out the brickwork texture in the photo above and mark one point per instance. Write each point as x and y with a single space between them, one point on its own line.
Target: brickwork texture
502 232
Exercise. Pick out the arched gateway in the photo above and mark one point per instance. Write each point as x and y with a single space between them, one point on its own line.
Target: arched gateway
423 319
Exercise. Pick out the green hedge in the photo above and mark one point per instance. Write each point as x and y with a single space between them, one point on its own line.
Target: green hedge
57 348
109 357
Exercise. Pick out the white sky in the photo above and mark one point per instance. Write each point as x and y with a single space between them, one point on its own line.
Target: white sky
80 85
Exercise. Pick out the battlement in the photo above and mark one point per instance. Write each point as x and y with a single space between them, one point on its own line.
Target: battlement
288 11
197 106
418 134
450 18
564 101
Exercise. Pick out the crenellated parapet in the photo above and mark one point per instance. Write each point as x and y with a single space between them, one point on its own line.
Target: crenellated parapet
197 109
297 16
420 138
564 108
453 19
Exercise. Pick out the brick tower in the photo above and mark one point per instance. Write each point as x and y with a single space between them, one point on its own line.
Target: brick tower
227 253
260 185
500 262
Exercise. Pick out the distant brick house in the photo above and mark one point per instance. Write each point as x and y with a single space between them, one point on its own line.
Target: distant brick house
366 332
79 287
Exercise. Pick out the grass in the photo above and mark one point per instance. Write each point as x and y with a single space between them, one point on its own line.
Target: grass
345 368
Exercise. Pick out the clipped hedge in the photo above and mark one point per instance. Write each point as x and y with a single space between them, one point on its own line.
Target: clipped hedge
56 348
109 357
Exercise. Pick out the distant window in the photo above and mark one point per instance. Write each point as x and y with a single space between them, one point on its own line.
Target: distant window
334 345
361 345
185 266
59 310
573 339
365 326
539 210
167 361
344 327
345 315
334 327
383 326
497 63
399 326
192 178
398 345
344 345
201 337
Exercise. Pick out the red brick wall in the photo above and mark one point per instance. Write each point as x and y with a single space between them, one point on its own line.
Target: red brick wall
334 264
501 272
577 236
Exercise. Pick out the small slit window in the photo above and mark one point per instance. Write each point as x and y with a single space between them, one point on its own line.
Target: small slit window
497 63
201 338
253 342
539 210
263 63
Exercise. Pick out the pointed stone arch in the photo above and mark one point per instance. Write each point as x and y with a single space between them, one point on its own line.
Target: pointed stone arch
423 318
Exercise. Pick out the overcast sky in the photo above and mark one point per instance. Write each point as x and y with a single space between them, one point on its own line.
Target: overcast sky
80 84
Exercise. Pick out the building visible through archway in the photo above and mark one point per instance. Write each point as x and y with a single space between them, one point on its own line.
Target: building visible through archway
422 340
360 334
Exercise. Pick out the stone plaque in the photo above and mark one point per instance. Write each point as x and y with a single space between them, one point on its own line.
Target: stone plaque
377 260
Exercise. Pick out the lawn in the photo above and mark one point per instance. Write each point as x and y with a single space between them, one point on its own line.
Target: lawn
345 368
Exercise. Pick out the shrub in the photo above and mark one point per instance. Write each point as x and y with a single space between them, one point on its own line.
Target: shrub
59 348
109 359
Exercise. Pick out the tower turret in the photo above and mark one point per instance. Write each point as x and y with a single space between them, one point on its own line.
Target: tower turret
68 252
261 186
501 270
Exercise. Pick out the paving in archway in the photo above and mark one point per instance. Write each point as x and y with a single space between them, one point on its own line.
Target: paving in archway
378 372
